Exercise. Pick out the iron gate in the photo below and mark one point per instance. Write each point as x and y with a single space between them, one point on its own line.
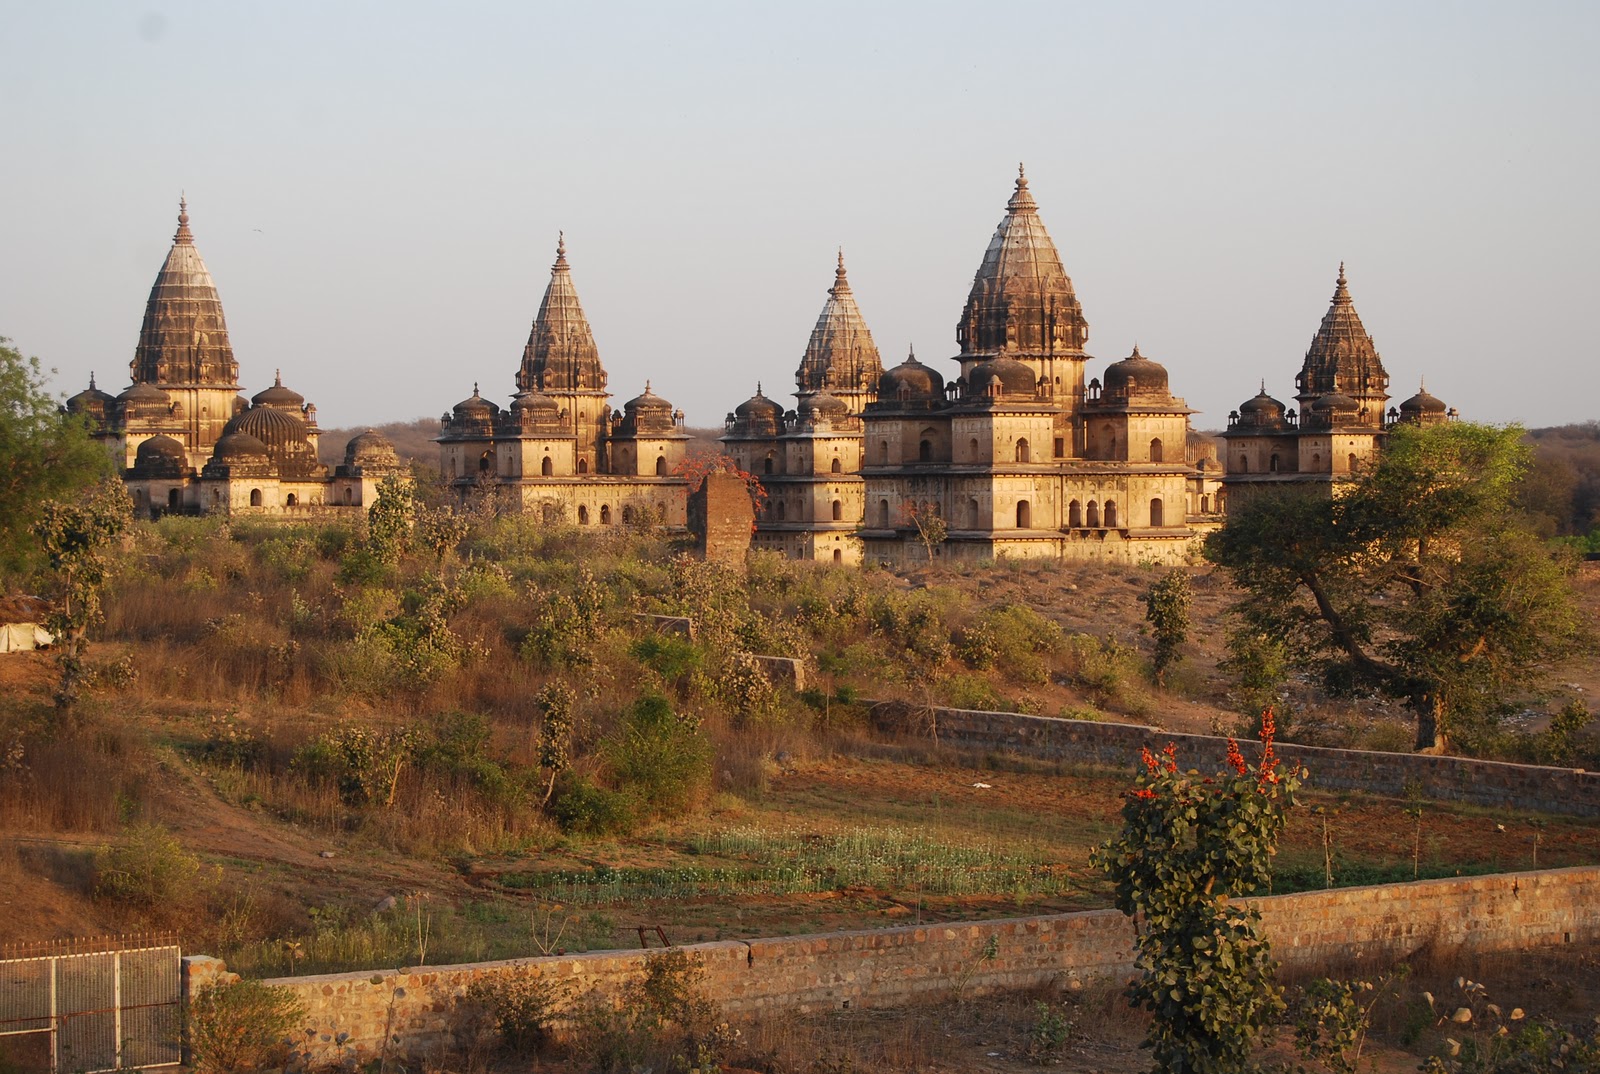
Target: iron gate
91 1006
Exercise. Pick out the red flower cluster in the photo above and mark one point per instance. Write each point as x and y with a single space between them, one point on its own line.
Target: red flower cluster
1268 769
1236 759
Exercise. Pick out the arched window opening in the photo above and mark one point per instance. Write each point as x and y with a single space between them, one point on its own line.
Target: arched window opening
883 513
484 463
1024 515
455 466
1094 515
255 497
605 514
1316 460
289 501
766 466
1272 464
972 450
1075 515
1157 513
583 466
838 556
838 511
925 451
837 467
780 510
172 499
1244 465
1205 505
1022 449
974 513
1111 514
547 467
1355 463
1155 450
216 495
583 515
661 466
349 496
883 452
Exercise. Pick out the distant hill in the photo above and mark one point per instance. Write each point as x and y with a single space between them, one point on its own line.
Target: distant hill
412 439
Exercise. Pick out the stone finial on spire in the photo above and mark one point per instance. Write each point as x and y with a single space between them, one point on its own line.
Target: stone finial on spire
911 352
561 251
91 380
475 389
1135 353
277 378
1021 198
183 235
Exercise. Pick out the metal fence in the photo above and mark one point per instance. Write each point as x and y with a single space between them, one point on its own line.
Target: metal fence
88 1006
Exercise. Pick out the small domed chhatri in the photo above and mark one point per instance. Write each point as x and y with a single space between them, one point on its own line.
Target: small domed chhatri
1002 378
1137 376
910 382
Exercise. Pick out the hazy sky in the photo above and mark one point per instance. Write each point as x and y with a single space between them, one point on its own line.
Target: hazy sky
377 187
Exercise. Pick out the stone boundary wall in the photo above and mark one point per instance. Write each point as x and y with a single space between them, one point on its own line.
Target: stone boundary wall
1567 791
352 1015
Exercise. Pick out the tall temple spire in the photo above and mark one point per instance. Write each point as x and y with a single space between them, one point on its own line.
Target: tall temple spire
561 354
841 357
183 341
1022 303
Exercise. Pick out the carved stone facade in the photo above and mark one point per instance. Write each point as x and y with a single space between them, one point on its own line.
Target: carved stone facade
1016 457
559 451
188 442
1339 427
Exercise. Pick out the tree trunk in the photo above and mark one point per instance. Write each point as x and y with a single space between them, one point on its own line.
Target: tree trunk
1430 712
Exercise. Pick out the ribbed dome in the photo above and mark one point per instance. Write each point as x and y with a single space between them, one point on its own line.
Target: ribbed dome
910 381
160 456
841 355
370 450
239 447
535 402
475 408
647 412
1136 376
758 416
279 396
144 401
91 401
1004 377
1021 300
1423 403
184 338
1334 404
561 354
284 435
1262 411
826 404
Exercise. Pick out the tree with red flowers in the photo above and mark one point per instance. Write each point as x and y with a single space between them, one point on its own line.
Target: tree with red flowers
1189 846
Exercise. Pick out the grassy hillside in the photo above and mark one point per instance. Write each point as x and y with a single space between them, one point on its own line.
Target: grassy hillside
290 725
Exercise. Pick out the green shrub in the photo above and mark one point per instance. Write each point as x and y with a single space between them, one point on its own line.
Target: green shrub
150 871
521 1009
671 658
662 1021
241 1027
660 757
583 808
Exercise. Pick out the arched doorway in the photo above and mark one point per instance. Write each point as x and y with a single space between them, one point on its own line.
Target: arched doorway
255 497
1111 514
1024 515
838 511
605 514
1094 515
837 467
1157 513
583 515
883 513
290 500
547 467
1155 450
661 466
1022 450
1075 515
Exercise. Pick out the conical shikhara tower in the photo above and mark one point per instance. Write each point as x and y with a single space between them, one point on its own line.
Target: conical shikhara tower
183 343
841 358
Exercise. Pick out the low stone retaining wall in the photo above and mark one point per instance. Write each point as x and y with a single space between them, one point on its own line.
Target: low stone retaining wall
353 1015
1567 791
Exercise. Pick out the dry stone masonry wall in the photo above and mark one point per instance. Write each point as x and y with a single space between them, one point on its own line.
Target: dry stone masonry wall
1566 791
353 1015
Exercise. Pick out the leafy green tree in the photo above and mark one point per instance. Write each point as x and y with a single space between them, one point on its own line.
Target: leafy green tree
43 454
390 520
1167 612
1189 845
1419 581
75 536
